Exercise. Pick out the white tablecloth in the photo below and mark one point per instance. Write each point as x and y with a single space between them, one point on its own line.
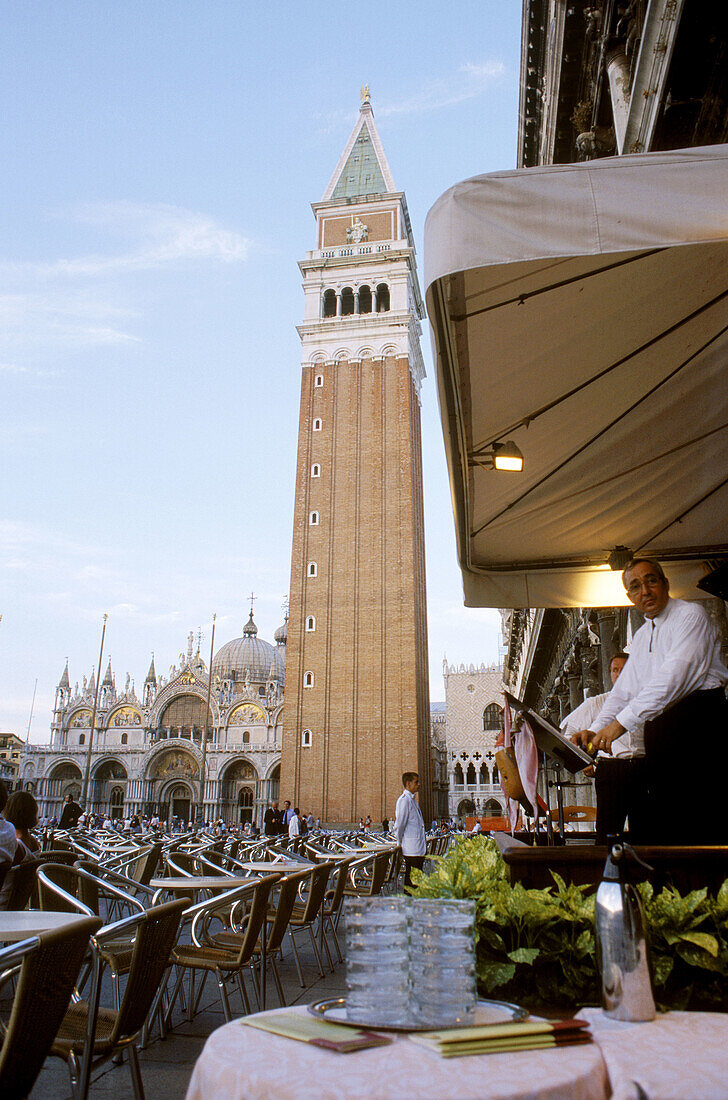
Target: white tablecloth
243 1062
678 1056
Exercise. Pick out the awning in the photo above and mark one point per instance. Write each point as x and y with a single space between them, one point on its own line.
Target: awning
582 312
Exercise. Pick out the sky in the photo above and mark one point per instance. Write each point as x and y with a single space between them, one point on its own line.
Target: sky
158 164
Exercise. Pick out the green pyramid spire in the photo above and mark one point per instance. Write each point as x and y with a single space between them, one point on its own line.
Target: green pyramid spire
362 173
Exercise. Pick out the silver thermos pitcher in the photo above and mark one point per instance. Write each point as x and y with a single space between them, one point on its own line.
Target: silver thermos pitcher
621 943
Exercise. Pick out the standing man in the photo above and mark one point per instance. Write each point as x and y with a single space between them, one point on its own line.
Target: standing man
409 826
620 777
271 820
294 824
674 683
71 814
286 815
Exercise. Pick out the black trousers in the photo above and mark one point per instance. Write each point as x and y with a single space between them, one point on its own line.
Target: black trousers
409 863
686 750
620 785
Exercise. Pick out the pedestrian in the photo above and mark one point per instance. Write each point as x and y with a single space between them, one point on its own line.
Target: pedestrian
71 814
409 826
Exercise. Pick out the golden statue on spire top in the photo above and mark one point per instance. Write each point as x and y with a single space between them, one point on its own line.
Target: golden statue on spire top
365 98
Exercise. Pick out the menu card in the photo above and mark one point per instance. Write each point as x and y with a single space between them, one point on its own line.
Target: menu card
500 1038
319 1033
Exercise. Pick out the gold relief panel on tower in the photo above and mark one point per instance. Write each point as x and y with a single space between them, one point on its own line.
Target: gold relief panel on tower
343 230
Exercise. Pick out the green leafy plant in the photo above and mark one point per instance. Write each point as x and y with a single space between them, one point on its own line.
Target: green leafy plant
537 946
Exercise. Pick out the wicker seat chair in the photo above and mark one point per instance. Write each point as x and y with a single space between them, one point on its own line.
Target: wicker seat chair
75 890
286 890
304 914
49 967
89 1035
367 875
19 885
331 908
208 956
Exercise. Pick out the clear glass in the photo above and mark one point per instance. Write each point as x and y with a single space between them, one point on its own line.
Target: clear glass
442 961
377 960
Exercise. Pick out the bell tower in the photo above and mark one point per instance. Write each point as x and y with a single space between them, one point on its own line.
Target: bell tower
356 699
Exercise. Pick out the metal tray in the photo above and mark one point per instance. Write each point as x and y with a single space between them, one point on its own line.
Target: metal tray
486 1012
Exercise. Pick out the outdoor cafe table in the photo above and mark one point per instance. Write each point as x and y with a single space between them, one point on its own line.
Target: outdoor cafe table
179 884
278 868
243 1062
677 1056
17 925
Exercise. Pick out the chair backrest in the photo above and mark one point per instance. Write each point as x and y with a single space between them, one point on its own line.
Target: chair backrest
156 935
19 884
379 873
256 917
287 897
334 896
146 866
319 879
48 974
58 889
181 863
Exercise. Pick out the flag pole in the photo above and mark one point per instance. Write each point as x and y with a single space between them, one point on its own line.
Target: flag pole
87 773
201 812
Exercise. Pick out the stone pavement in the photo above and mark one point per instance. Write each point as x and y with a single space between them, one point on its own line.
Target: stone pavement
167 1064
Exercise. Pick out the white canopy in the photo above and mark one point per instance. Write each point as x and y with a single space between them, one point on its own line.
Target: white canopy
582 312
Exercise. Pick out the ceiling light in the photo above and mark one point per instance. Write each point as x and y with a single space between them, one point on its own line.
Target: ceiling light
507 456
619 557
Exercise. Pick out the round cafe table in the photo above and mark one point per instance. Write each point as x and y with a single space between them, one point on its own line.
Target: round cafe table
21 925
244 1063
179 884
279 868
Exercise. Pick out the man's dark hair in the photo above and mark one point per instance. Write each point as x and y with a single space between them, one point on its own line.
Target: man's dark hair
22 810
407 777
620 655
646 561
296 810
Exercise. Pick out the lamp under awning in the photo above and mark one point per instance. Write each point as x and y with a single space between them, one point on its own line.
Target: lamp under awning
580 312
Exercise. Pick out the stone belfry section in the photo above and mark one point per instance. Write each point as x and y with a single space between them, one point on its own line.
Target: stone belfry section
356 703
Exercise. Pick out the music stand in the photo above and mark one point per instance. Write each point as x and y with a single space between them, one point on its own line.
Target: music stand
555 747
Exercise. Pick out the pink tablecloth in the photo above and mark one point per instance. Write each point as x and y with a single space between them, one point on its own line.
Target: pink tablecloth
678 1056
243 1062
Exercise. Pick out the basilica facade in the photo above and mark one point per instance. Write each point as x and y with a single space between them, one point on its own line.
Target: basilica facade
147 749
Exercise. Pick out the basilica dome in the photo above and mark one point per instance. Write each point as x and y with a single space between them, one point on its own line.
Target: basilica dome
250 657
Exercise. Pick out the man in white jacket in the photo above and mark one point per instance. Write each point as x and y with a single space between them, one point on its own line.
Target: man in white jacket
409 826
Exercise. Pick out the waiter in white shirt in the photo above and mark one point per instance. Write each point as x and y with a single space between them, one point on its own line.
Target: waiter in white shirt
620 777
674 683
409 826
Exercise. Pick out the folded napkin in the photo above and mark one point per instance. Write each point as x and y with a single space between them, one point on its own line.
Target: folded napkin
319 1033
499 1038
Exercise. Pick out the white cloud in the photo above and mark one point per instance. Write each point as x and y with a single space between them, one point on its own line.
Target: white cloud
161 234
59 317
468 82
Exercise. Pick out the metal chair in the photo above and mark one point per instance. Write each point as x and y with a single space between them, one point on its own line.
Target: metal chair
303 916
49 967
90 1035
209 957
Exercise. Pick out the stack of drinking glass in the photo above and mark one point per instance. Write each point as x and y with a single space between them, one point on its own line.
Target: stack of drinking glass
410 962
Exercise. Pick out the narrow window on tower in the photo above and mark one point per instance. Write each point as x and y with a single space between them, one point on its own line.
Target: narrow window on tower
382 298
315 470
347 302
317 425
318 381
82 738
308 679
306 738
310 624
312 569
313 519
329 303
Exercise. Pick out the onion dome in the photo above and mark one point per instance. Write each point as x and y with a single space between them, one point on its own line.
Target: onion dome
281 634
249 657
